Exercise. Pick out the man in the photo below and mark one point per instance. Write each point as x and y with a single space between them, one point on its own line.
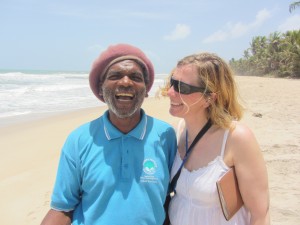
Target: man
115 170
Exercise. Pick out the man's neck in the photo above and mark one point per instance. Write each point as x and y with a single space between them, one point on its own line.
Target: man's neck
125 125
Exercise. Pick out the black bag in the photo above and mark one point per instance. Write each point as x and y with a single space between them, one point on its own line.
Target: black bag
166 206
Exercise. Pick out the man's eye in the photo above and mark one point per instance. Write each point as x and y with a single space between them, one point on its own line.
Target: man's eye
137 78
113 77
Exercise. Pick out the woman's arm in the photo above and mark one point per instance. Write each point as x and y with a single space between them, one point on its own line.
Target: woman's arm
251 174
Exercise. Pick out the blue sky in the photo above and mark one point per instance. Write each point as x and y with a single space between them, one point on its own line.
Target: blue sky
68 35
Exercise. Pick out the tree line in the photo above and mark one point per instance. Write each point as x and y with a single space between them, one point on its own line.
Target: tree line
276 55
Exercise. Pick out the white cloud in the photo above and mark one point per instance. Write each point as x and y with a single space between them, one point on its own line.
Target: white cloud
291 23
236 30
260 18
181 31
217 36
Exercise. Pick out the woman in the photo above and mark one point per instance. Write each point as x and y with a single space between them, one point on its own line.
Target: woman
202 88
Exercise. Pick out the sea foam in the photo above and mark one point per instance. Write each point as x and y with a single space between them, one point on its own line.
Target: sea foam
30 92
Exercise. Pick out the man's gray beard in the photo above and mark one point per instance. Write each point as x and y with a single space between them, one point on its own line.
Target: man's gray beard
109 96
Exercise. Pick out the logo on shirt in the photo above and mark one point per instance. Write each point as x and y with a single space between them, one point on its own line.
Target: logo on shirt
149 168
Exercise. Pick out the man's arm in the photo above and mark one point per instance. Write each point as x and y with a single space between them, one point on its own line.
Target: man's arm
54 217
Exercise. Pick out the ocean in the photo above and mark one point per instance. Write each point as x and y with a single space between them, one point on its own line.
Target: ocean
28 94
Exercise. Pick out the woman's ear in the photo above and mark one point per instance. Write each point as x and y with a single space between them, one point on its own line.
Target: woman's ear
211 98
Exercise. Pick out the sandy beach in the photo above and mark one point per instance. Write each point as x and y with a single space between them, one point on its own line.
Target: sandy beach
30 150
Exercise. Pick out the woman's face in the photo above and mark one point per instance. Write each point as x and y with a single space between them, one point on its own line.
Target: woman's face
185 92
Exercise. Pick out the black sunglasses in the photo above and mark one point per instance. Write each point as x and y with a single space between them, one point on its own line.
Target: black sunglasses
184 88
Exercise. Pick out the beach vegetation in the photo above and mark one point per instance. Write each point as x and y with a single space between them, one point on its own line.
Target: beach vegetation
276 55
294 5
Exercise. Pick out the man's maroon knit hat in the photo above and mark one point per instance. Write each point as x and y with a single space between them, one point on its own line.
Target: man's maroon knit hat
114 54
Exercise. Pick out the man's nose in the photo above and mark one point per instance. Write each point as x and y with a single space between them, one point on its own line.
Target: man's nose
125 81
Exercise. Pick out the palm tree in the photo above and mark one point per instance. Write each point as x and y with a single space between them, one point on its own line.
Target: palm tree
294 5
292 52
278 55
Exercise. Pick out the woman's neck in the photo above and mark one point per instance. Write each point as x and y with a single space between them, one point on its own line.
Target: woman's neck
194 125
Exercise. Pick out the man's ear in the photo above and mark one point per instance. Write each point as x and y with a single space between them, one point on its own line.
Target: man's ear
100 92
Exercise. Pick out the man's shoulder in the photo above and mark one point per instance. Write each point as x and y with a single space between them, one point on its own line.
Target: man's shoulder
160 122
87 127
160 126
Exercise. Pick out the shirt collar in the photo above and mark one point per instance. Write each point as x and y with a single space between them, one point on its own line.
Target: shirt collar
111 132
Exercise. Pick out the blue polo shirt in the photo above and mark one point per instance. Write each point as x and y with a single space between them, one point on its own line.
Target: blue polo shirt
108 177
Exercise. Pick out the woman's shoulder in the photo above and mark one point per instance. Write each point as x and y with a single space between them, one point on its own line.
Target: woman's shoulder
242 140
240 132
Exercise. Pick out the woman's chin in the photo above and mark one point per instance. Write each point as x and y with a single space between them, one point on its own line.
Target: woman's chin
175 112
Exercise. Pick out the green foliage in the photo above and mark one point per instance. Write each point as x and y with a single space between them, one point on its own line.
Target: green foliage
294 5
276 55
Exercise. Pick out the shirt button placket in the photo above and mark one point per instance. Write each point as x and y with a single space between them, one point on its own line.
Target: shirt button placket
125 159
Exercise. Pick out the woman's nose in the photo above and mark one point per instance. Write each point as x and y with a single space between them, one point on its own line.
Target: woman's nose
171 91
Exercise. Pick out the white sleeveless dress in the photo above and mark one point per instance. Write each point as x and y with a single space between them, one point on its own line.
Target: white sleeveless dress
196 201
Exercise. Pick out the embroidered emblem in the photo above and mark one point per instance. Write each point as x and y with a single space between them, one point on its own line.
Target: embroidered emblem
149 168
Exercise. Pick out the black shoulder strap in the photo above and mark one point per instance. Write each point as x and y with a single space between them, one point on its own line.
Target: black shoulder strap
197 138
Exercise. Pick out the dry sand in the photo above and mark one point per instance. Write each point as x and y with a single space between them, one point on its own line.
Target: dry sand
30 150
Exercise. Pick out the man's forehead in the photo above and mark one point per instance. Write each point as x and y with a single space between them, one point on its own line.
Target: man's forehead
126 65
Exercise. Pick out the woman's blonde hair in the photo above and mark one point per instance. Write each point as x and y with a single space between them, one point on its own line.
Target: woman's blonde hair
215 74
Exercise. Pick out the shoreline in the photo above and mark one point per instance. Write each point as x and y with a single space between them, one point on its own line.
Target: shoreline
33 119
10 121
30 149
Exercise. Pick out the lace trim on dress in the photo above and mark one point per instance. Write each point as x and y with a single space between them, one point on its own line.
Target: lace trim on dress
218 158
